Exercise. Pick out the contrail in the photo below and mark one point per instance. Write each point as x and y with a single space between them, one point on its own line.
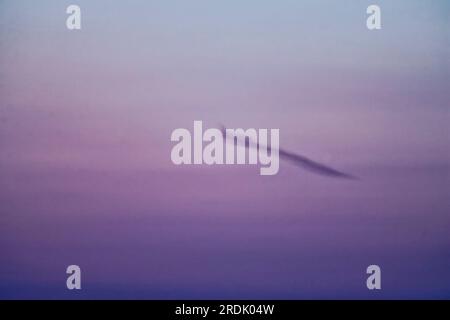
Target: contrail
300 160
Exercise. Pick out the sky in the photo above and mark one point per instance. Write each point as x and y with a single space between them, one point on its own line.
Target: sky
85 124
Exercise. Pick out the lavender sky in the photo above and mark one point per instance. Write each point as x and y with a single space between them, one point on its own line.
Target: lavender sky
85 170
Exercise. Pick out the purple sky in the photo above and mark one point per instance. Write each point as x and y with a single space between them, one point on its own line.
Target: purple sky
86 176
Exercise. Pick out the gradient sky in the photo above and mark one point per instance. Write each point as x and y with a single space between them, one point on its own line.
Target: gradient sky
86 176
